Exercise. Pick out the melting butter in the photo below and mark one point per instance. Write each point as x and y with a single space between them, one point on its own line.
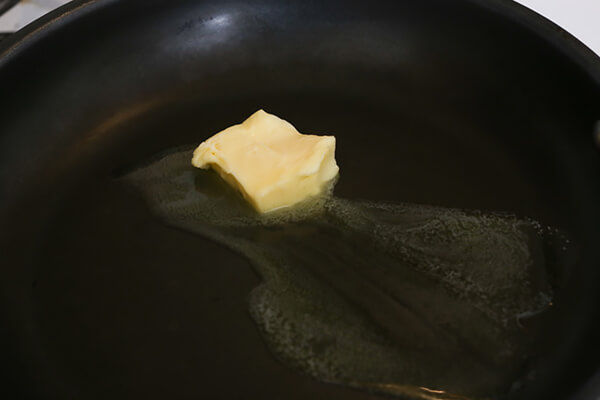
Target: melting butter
402 299
269 161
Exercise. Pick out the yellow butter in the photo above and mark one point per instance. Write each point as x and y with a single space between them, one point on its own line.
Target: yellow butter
269 161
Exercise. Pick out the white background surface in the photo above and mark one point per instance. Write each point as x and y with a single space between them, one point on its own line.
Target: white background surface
579 17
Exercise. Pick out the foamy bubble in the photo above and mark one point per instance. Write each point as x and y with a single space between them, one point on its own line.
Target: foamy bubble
392 298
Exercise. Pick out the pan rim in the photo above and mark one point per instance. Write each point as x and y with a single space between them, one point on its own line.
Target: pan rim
544 29
569 47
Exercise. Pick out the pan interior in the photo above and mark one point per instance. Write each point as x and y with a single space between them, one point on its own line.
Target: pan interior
456 109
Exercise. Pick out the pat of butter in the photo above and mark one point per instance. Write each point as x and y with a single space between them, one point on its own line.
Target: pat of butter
269 161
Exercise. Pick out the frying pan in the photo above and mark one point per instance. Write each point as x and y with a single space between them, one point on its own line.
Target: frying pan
458 103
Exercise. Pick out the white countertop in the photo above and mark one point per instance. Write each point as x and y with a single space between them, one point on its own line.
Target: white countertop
579 17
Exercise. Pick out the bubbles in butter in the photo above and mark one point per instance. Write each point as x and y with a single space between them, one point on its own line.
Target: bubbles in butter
394 298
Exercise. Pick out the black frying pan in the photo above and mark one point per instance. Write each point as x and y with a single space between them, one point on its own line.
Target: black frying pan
458 103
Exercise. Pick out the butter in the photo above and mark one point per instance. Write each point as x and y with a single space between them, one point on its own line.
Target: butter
269 161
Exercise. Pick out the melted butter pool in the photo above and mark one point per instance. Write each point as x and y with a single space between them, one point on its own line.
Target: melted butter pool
397 299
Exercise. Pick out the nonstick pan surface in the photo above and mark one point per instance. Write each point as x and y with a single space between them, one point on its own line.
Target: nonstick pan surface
455 103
